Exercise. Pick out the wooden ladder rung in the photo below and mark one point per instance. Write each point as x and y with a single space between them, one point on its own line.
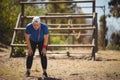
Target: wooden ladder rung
71 45
73 25
53 2
18 45
69 34
68 14
62 16
58 45
82 28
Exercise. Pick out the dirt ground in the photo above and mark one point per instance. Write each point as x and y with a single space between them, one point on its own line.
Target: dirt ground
62 67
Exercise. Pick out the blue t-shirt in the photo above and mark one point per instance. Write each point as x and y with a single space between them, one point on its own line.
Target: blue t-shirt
37 35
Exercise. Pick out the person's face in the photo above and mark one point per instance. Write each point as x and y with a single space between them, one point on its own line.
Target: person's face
36 25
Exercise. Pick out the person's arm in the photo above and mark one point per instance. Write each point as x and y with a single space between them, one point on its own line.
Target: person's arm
45 40
46 35
27 37
44 51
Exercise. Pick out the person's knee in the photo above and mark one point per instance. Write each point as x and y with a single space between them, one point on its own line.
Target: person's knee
30 57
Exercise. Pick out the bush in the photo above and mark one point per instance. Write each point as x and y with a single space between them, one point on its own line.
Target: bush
115 41
115 38
19 51
57 40
113 47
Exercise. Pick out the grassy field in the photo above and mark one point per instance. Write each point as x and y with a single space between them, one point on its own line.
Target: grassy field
62 67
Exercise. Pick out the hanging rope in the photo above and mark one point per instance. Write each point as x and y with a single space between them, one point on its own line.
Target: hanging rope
59 26
77 36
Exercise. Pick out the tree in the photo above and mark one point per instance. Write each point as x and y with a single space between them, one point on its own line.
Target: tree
115 37
9 10
115 8
103 29
8 13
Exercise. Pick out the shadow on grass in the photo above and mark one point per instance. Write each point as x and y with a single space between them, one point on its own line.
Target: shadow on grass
1 50
104 59
71 57
84 57
41 78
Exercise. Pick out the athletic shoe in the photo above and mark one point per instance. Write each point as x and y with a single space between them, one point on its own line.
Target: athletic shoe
27 73
45 74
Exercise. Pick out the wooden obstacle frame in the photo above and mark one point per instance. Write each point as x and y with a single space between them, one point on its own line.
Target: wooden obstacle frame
93 26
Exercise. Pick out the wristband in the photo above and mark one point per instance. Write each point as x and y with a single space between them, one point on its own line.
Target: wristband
44 46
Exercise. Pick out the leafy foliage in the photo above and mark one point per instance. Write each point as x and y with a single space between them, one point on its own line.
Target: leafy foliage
115 7
8 13
115 38
19 51
115 41
9 10
36 11
57 40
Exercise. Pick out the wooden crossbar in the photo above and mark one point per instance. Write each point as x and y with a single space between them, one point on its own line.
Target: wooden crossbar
58 45
66 52
73 25
69 34
82 28
68 14
62 16
54 2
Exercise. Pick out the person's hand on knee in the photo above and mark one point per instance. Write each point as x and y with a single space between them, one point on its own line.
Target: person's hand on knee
30 52
44 51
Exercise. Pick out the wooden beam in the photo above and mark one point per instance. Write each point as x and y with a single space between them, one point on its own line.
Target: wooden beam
17 24
82 28
22 14
65 52
61 16
54 2
69 34
68 14
73 25
58 45
93 7
14 34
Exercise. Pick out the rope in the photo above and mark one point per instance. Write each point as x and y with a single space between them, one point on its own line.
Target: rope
59 26
77 36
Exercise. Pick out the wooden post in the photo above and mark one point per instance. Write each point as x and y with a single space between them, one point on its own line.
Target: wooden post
96 33
11 51
93 6
14 35
22 14
93 50
104 30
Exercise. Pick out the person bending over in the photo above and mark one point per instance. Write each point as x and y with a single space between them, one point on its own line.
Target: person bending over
36 35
